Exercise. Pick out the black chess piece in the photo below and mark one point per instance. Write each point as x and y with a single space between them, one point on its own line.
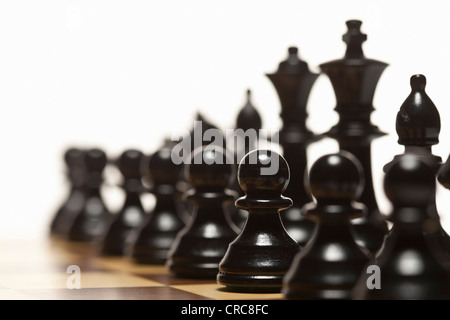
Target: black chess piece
72 205
245 139
408 269
293 82
92 221
354 79
418 126
330 264
125 223
195 140
201 244
257 260
158 232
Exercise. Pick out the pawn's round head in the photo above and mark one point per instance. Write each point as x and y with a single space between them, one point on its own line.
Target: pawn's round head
159 168
263 173
209 168
129 164
95 160
410 182
74 157
336 178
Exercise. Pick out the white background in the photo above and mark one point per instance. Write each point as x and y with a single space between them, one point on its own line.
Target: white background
127 74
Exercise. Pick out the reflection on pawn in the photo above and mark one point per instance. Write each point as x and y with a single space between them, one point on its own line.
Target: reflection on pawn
257 260
408 267
330 264
202 243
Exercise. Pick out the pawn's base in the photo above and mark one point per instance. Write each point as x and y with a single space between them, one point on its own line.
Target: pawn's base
246 283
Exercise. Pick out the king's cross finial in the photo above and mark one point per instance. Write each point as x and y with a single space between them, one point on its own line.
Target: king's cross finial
354 39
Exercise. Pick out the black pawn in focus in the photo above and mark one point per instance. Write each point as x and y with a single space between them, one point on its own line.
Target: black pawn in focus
63 218
354 79
121 231
158 233
329 266
418 125
92 221
408 269
257 260
293 82
201 244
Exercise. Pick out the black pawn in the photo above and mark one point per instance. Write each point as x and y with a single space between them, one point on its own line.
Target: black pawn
64 216
257 260
158 233
407 266
330 264
121 231
418 126
92 221
201 244
293 82
354 79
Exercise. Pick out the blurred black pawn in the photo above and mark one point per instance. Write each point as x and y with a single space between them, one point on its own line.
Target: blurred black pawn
131 215
93 219
64 216
330 264
158 232
408 269
201 244
257 260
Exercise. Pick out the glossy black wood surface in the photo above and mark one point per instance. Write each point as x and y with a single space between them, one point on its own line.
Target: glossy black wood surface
257 260
354 79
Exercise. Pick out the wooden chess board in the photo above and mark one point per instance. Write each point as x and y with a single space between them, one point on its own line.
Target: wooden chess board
38 270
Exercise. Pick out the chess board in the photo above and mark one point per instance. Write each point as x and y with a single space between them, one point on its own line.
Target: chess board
41 270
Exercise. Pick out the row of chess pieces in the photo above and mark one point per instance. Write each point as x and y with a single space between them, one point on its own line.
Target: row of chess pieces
200 231
257 235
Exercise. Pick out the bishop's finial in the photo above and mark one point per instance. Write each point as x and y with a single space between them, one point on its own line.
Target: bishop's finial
418 82
354 39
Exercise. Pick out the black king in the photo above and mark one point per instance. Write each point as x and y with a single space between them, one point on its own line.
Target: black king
354 79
